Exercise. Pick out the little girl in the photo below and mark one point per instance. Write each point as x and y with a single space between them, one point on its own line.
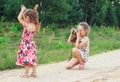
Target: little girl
27 49
81 49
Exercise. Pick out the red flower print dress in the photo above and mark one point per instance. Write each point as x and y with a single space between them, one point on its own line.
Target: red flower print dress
27 49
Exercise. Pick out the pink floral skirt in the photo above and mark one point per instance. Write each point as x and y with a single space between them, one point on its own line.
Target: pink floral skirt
27 53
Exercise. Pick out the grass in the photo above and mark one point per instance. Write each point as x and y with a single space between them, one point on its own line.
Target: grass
103 40
52 44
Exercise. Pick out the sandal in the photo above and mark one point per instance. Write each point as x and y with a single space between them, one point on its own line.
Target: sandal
25 75
33 74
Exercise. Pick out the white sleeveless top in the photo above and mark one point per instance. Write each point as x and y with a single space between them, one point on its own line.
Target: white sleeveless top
84 50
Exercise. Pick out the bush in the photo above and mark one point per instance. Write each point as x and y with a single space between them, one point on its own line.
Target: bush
4 39
52 45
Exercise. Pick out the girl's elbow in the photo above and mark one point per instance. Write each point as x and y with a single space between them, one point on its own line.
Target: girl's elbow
77 46
18 18
69 42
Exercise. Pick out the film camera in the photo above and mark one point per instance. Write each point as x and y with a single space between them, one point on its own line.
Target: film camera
74 35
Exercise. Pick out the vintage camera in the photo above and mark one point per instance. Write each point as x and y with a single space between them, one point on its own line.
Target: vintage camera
74 31
74 35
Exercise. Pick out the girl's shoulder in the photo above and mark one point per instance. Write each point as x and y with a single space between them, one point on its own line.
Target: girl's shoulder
86 38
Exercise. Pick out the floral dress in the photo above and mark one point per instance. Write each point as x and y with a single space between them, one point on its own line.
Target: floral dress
27 49
84 50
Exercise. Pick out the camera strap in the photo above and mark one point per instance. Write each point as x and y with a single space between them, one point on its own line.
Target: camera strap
70 54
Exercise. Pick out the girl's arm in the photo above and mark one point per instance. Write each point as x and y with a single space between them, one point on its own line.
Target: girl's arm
69 39
79 45
20 16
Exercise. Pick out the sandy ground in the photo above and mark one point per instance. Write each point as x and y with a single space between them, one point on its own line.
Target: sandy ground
103 67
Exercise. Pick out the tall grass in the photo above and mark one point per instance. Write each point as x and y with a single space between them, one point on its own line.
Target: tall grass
52 43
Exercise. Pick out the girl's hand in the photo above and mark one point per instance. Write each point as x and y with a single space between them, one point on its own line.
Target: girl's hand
36 7
23 8
78 35
20 16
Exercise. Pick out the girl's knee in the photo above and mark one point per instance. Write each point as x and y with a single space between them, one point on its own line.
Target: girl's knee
68 67
74 50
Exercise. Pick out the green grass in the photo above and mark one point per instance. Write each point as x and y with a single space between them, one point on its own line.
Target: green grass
52 44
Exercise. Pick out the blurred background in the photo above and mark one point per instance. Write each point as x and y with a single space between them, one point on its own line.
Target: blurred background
66 12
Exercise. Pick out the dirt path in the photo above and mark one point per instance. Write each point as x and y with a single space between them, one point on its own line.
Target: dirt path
100 68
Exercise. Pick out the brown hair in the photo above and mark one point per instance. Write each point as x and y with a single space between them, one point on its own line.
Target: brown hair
33 18
85 26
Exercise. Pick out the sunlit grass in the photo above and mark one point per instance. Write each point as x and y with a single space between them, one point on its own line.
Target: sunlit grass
52 45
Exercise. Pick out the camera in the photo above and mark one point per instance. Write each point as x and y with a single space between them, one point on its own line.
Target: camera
74 31
74 35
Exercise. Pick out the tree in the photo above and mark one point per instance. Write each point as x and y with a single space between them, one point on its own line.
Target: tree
117 12
111 17
65 12
2 2
55 11
100 11
76 12
2 16
11 9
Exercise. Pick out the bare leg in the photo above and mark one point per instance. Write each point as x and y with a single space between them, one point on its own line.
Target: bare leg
77 55
73 62
26 74
33 74
27 69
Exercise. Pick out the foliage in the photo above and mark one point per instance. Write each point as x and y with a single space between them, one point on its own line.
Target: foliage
55 11
4 38
76 12
111 18
66 12
52 44
101 11
11 8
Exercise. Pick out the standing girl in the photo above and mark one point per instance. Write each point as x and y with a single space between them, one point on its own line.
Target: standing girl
81 49
27 49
